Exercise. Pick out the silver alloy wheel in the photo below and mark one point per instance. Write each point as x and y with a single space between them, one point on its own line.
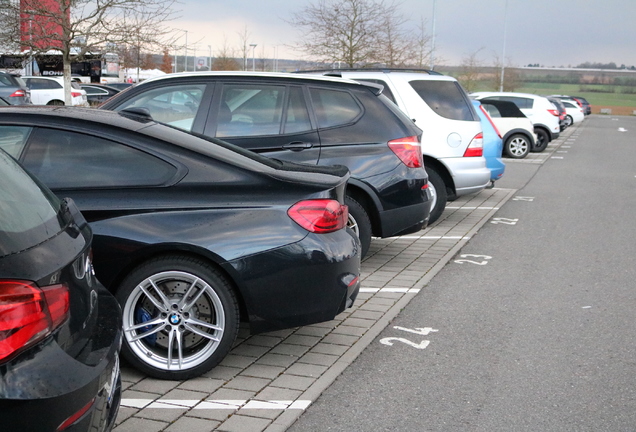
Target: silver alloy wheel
431 188
518 146
353 224
173 320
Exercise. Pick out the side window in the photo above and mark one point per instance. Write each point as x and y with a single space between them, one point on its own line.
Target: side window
492 110
521 102
297 116
446 98
43 84
250 109
63 159
95 91
175 105
13 139
386 92
334 107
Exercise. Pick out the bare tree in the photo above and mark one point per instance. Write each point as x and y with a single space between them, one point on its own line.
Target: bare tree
77 27
345 30
225 59
244 37
423 49
470 71
395 44
511 79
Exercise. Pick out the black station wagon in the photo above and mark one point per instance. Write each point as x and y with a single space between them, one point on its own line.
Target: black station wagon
308 119
193 235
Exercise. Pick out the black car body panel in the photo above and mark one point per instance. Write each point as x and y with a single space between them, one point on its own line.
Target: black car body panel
199 199
353 132
48 381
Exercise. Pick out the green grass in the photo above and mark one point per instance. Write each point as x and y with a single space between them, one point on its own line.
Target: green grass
594 98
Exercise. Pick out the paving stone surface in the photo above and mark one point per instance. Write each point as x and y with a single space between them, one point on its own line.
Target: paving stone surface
268 380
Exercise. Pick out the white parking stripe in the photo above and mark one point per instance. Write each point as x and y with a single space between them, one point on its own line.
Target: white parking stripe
216 404
391 290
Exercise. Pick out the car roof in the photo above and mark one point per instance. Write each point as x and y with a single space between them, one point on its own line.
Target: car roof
77 117
423 74
247 74
528 95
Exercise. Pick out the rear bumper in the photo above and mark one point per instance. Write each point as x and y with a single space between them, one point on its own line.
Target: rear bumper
44 388
470 174
302 283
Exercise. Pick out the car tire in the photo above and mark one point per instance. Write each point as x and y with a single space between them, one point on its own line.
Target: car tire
517 146
438 194
543 139
184 339
569 120
56 102
360 223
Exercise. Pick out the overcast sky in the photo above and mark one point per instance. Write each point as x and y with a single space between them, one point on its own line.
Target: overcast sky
548 32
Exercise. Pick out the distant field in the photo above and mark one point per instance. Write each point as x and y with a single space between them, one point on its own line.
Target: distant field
619 103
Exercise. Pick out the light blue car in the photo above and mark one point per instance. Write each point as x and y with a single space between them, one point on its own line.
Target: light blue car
493 144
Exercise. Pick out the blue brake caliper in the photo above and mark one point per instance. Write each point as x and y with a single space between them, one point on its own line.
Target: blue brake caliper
142 316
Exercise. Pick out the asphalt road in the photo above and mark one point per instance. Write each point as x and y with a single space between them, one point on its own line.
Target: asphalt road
531 326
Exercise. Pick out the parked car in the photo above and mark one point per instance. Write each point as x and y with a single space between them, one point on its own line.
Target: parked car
563 124
543 114
60 329
576 100
308 119
516 129
120 85
587 108
574 112
50 91
14 90
193 234
493 144
98 93
451 138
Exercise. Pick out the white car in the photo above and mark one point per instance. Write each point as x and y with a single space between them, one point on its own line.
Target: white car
50 91
452 140
574 112
516 130
543 114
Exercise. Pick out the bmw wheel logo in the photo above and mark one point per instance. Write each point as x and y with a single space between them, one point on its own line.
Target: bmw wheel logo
174 319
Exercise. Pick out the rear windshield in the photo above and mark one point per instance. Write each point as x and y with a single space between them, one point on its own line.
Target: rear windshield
28 211
446 98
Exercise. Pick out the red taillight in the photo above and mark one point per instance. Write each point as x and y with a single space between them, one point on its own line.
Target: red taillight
319 216
76 94
554 112
481 107
409 151
29 313
476 146
18 93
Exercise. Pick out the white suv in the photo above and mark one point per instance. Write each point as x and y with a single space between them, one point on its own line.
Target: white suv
543 114
50 91
452 140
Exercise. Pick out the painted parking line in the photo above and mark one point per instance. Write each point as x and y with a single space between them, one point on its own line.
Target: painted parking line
390 290
472 208
216 404
436 237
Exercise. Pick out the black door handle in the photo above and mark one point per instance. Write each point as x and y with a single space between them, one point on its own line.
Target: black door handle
297 146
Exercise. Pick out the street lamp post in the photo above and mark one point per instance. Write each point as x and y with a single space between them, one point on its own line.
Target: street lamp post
433 37
503 53
253 57
210 58
185 53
